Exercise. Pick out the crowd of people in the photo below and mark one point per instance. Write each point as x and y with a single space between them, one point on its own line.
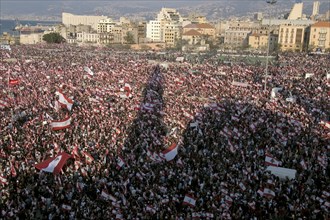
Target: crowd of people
224 118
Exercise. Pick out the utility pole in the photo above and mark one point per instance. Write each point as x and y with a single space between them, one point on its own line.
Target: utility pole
271 2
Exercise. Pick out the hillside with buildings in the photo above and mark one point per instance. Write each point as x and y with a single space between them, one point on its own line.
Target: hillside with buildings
170 28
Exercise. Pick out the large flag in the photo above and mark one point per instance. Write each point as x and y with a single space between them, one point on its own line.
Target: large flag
64 101
326 124
13 82
54 164
189 200
271 161
59 125
171 152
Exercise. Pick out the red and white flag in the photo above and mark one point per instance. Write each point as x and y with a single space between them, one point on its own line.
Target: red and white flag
64 101
59 125
54 164
326 124
268 192
171 152
3 104
120 162
179 81
150 209
12 170
188 115
189 200
13 82
271 161
3 180
127 87
89 71
107 196
89 158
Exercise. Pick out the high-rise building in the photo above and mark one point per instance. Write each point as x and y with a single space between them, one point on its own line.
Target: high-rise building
166 28
316 8
296 11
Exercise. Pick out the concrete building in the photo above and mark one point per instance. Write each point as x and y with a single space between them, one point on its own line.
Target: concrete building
316 8
260 41
292 37
192 37
31 38
153 31
320 36
166 28
84 37
204 29
237 33
296 11
71 19
105 25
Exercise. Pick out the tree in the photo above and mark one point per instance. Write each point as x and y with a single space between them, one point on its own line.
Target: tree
129 38
52 38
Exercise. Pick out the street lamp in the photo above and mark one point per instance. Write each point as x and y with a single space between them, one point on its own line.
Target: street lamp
271 2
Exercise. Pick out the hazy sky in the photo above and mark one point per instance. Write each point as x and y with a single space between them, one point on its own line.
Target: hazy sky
55 7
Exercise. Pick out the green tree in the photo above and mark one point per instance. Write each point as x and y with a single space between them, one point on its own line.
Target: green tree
129 38
52 38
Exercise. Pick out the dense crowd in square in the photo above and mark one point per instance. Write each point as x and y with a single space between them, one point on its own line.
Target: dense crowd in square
127 111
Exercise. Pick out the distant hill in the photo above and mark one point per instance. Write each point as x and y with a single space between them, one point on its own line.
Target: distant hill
213 10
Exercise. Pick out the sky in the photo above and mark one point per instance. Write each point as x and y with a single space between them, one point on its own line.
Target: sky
55 7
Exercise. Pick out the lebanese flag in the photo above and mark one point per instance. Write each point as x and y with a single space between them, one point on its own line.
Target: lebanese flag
171 152
54 164
107 196
268 192
326 124
189 200
75 153
89 71
271 161
120 162
64 101
59 125
188 115
88 157
3 180
127 87
179 81
13 82
13 170
148 106
3 104
150 209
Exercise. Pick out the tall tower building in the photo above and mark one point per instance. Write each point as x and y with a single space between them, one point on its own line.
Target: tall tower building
316 8
296 11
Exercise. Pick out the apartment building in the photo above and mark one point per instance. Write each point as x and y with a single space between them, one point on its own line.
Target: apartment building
84 37
258 39
237 33
105 25
292 37
166 28
320 35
